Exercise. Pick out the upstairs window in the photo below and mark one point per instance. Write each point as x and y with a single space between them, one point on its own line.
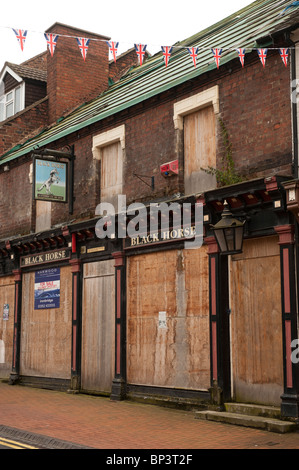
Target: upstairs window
109 148
195 118
11 103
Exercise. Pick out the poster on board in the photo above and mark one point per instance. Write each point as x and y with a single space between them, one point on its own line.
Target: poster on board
47 289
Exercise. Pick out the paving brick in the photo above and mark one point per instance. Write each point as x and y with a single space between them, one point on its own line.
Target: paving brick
100 423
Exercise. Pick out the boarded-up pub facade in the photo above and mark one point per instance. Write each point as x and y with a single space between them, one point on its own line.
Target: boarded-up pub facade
150 316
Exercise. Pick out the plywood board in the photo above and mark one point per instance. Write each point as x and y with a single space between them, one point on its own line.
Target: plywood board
175 354
256 324
98 327
199 150
46 334
111 172
7 292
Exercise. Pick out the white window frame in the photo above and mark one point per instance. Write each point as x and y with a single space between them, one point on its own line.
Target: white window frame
13 101
107 138
194 103
3 95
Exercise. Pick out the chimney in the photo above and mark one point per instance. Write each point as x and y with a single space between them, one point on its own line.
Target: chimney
71 80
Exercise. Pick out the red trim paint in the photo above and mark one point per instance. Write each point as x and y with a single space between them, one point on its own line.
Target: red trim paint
214 350
15 346
119 258
286 234
286 278
16 301
74 298
212 245
288 336
74 243
118 293
74 365
75 264
118 349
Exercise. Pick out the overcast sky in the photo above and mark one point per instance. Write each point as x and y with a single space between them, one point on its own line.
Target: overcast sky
156 23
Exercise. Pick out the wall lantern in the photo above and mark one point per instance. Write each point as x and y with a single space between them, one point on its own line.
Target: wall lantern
229 233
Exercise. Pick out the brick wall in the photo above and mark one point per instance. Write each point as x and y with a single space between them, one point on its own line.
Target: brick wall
15 202
123 63
71 80
254 106
86 184
23 125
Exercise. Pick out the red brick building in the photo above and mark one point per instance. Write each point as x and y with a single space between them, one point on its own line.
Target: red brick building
149 317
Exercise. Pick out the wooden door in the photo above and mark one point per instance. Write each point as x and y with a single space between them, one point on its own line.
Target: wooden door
98 327
256 326
46 334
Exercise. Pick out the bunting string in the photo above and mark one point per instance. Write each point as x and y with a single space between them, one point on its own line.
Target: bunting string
83 43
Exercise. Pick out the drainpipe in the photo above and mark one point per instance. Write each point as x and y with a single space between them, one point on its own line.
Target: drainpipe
294 109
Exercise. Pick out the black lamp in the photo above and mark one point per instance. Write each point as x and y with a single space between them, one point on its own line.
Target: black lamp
229 233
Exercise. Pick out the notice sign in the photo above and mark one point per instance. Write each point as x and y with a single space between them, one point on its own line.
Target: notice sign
50 180
47 289
5 312
162 320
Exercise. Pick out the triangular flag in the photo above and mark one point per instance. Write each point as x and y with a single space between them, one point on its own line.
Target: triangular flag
140 50
166 53
113 48
241 53
193 53
284 54
21 35
217 54
51 42
83 45
262 55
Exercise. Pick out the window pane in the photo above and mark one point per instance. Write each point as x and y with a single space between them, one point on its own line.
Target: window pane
9 96
18 100
2 108
9 110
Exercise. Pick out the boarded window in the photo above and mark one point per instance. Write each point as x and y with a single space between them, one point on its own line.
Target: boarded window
43 216
111 172
199 150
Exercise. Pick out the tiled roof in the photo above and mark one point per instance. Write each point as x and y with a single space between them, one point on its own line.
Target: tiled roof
28 72
242 29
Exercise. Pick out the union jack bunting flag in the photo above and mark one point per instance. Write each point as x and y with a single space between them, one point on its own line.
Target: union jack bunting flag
83 44
193 54
284 54
21 35
113 48
217 54
241 53
51 41
140 50
262 55
166 53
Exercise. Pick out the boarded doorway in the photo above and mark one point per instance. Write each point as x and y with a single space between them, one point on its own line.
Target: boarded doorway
168 319
98 327
256 325
46 334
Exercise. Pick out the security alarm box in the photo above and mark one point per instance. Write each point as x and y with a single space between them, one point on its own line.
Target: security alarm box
170 168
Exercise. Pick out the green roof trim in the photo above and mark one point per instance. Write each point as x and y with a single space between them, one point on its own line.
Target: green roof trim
242 29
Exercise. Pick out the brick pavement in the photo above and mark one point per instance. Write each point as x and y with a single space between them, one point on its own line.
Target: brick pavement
101 423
